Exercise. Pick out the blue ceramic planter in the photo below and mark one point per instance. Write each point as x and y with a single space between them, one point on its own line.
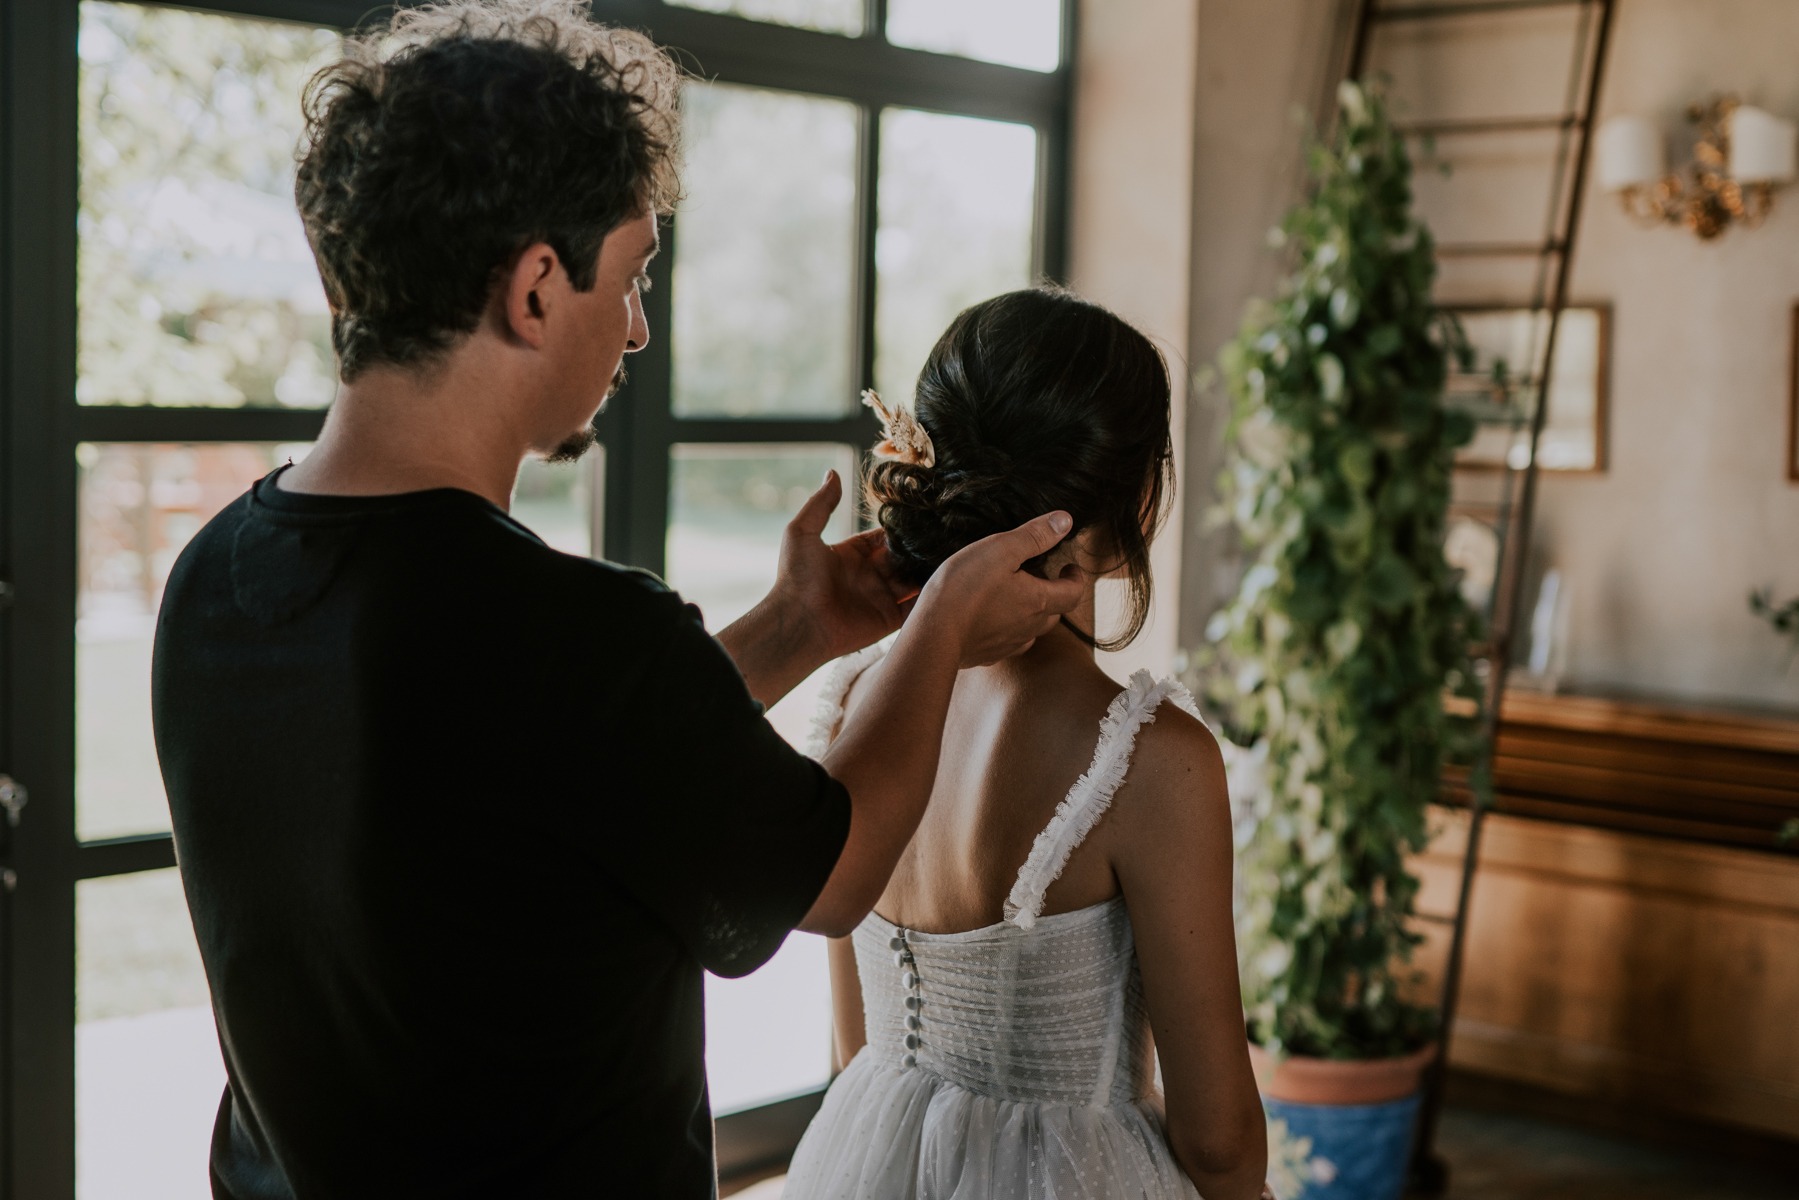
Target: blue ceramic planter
1366 1148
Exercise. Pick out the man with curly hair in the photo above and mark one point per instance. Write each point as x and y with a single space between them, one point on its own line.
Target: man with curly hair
462 819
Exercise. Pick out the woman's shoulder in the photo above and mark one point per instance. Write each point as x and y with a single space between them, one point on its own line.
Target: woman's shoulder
845 682
1176 781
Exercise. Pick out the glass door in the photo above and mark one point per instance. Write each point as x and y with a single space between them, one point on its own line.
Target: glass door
166 342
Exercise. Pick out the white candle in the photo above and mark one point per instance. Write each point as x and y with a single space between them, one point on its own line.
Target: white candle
1630 153
1763 147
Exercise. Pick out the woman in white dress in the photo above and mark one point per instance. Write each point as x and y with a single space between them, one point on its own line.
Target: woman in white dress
1062 918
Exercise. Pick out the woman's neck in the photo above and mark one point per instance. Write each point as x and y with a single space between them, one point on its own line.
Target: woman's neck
1057 651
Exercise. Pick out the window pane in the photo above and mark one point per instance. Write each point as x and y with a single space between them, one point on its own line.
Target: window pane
832 16
1018 33
764 254
768 1035
555 500
956 208
727 508
196 282
147 1070
139 506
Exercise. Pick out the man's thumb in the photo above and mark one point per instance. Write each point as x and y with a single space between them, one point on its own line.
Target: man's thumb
816 512
1039 536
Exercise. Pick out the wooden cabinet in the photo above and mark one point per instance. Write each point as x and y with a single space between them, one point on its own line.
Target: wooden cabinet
1645 956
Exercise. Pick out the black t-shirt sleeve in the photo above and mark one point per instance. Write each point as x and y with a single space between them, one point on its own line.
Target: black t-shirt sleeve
737 831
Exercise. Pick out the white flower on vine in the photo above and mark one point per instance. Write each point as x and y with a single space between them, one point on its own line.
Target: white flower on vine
1257 580
1342 638
1264 441
1330 378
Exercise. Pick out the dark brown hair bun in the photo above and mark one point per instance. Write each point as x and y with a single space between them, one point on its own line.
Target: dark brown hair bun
1035 400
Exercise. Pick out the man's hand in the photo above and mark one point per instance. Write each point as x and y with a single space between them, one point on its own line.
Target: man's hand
828 600
982 597
846 590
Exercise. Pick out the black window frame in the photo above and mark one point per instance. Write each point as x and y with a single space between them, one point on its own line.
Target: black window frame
41 424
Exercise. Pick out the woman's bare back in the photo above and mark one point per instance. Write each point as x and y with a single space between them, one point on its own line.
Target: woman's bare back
1019 735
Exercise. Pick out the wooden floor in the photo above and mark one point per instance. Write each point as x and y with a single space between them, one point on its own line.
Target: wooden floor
1503 1156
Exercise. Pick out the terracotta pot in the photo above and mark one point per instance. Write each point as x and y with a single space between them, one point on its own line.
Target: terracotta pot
1301 1080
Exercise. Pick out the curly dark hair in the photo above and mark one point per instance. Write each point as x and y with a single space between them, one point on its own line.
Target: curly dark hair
438 148
1035 400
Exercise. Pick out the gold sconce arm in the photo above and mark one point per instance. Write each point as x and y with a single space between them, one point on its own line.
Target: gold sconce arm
1706 201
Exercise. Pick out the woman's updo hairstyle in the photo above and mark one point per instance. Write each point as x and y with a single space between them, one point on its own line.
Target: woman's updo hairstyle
1034 401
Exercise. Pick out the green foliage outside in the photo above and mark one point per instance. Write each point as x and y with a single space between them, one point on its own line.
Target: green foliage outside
196 285
1334 660
764 251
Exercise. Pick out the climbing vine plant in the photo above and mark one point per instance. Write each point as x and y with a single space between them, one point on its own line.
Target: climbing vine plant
1336 660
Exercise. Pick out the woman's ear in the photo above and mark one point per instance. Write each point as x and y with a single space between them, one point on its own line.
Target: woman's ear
1079 551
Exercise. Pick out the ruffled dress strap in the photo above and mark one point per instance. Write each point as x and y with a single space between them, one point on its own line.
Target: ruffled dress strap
844 673
1092 793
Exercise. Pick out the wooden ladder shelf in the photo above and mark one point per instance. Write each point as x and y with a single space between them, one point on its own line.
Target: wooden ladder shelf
1571 122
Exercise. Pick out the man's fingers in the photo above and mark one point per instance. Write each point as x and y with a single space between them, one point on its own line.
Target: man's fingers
869 550
870 544
816 512
1038 536
1062 594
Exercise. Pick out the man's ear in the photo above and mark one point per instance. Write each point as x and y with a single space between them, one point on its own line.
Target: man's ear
527 293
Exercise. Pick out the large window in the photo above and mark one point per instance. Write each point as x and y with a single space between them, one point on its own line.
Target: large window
856 172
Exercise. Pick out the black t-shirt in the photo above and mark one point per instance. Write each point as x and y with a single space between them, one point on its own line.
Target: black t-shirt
461 819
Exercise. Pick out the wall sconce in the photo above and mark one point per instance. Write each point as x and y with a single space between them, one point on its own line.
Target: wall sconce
1742 155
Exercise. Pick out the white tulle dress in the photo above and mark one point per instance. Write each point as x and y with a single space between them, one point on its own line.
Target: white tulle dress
1007 1063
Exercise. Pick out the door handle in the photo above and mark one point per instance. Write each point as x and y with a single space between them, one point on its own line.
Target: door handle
12 798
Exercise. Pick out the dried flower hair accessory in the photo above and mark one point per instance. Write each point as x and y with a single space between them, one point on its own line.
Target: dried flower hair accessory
903 438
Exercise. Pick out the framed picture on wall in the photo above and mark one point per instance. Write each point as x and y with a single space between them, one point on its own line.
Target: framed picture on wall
1793 403
1574 434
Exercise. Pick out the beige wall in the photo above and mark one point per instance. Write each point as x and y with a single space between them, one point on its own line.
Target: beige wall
1129 213
1186 152
1695 510
1262 66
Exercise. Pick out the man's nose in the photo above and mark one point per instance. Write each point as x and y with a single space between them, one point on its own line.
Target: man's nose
638 336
